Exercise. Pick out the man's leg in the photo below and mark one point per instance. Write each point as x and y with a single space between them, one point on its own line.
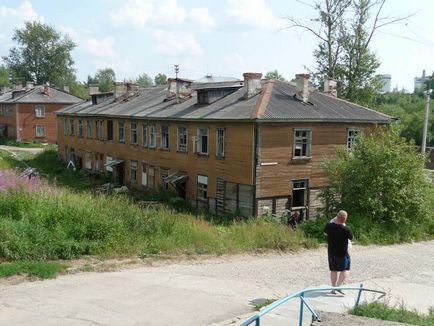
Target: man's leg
342 277
333 277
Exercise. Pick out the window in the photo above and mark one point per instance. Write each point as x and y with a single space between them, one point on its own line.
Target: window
352 135
220 151
96 129
40 111
80 128
202 141
40 131
302 139
144 174
202 187
133 172
144 135
163 174
151 177
71 126
182 139
299 193
133 133
65 126
108 160
121 126
202 97
152 136
89 128
110 130
164 141
100 132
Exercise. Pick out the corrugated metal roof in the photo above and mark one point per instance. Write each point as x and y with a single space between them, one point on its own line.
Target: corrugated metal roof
151 103
37 95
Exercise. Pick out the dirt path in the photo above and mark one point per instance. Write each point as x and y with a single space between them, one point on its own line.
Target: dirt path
211 291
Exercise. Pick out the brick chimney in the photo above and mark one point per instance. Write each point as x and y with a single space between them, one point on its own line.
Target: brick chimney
66 88
252 83
330 86
93 89
29 86
46 89
178 88
120 89
302 81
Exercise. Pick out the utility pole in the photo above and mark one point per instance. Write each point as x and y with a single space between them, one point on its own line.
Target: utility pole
425 121
177 83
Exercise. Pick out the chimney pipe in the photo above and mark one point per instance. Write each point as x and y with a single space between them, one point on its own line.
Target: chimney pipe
120 89
46 89
252 83
330 86
93 89
66 88
302 81
29 85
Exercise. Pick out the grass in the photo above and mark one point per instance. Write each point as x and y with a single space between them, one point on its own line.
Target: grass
25 144
263 304
41 269
7 161
397 313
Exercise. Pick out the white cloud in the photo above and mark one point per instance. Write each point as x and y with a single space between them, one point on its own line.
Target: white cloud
168 13
201 17
253 13
86 40
176 43
235 62
135 13
24 12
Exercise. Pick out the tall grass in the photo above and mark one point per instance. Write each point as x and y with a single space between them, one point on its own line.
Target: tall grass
397 313
64 225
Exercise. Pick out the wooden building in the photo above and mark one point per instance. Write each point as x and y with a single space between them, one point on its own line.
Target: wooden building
27 113
253 146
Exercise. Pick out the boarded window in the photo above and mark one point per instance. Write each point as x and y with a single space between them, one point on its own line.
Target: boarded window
89 129
71 126
202 187
65 126
110 130
151 177
144 174
80 128
133 133
302 140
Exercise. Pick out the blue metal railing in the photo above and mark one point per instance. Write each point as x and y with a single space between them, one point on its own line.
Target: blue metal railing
301 294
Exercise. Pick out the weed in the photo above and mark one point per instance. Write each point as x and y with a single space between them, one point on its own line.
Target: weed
41 269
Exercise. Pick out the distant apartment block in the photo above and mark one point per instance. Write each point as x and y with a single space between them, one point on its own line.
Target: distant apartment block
385 81
420 81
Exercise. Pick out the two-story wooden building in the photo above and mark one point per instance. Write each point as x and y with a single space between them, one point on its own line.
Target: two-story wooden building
27 113
252 146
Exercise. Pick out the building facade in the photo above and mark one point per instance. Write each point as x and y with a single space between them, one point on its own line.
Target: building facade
252 147
28 113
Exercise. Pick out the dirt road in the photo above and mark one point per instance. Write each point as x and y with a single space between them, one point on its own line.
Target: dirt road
211 291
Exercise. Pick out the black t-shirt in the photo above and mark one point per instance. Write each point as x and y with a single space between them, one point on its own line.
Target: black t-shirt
337 238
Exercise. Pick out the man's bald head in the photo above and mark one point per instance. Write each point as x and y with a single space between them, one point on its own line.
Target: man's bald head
342 216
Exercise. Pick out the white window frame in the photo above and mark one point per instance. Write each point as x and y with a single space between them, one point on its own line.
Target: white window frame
182 139
165 137
300 140
133 171
352 135
300 184
38 132
145 135
152 137
121 136
40 111
220 142
200 144
202 187
133 133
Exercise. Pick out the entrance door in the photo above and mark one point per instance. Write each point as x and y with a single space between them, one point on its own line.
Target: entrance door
120 174
181 189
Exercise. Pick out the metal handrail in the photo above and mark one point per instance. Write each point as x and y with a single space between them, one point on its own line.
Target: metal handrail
257 317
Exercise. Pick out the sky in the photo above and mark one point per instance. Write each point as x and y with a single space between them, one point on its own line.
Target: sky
213 37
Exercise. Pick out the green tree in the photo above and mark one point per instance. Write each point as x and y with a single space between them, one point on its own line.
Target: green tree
274 74
381 178
144 80
345 30
160 79
104 78
4 76
42 55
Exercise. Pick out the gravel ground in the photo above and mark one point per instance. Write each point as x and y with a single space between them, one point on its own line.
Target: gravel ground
213 291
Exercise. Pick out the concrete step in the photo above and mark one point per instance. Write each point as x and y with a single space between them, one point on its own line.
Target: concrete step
339 319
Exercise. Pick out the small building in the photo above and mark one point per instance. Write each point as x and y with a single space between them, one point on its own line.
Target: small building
27 113
253 146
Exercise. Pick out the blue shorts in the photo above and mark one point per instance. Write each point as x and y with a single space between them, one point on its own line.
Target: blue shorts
339 264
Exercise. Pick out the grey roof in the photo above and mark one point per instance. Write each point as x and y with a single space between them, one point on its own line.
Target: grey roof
216 79
280 105
37 95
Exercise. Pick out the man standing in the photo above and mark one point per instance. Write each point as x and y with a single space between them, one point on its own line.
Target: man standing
338 235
